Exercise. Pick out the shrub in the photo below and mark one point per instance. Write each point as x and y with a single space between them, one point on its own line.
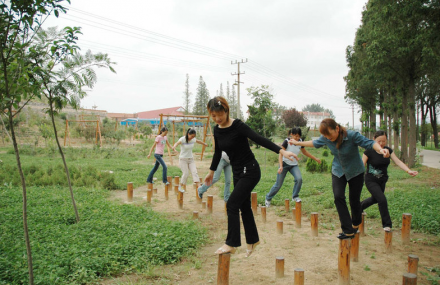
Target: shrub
313 166
325 153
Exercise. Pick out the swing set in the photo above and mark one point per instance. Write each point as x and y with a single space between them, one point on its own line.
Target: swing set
83 126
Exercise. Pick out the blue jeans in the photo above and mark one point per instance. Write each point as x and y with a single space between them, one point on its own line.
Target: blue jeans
222 165
294 170
159 160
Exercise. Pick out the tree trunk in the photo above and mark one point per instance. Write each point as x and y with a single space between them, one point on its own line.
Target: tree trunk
64 160
412 122
423 128
383 110
404 128
373 120
433 117
23 185
396 126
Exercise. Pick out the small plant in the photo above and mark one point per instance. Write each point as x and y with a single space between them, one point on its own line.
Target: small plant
367 268
325 153
373 256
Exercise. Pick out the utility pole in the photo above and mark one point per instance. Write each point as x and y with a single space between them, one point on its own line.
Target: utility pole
238 82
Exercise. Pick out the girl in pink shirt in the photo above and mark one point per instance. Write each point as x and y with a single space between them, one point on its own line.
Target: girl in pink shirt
159 143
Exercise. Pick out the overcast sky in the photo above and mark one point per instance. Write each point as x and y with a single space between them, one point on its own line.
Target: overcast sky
295 47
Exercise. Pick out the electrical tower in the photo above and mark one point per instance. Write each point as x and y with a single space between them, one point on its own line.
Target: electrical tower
238 82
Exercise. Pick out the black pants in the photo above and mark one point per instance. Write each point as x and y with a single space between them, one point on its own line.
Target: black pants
355 185
245 180
376 187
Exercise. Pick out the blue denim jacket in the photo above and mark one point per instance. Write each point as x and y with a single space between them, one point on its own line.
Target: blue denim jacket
347 160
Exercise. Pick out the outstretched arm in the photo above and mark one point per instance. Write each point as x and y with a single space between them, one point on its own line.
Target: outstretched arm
308 154
306 143
364 159
402 165
201 142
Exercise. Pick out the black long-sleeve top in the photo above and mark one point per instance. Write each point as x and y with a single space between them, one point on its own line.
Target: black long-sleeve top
234 141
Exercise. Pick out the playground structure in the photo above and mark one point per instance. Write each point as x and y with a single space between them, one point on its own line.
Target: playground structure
347 253
84 123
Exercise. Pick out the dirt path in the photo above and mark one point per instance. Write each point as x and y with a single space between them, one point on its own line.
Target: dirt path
318 256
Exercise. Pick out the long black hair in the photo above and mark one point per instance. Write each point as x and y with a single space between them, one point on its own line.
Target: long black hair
164 129
189 132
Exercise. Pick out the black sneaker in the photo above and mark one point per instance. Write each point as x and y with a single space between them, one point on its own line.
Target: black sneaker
345 236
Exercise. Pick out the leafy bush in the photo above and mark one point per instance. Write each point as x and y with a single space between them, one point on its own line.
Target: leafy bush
313 166
111 239
325 153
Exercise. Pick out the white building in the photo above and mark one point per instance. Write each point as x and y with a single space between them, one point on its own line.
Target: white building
315 118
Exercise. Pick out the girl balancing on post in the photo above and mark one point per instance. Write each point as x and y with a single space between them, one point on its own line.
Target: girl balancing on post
159 143
377 176
287 165
231 136
347 167
225 165
186 159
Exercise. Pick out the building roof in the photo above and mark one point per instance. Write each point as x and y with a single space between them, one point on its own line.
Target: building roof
121 115
175 111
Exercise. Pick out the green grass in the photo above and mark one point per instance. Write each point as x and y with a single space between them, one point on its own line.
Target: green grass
111 239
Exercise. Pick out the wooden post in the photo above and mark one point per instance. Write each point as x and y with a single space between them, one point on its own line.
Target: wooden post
388 241
149 194
155 190
413 264
176 180
409 279
254 202
210 200
180 199
280 227
362 225
293 213
130 191
298 214
344 262
287 204
314 224
298 276
203 204
176 189
195 215
166 191
150 186
196 187
170 180
354 250
406 227
279 267
263 213
223 268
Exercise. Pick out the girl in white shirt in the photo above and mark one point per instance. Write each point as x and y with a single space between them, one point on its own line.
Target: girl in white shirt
186 159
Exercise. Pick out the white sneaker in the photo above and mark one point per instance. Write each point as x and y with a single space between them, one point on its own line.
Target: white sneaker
181 189
267 203
387 229
296 200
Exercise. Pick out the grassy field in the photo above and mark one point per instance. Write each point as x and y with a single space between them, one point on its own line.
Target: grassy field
113 239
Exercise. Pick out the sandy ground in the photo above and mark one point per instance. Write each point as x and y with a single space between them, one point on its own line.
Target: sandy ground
317 256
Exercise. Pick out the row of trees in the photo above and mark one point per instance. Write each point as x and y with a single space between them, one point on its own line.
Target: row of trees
35 63
202 97
394 70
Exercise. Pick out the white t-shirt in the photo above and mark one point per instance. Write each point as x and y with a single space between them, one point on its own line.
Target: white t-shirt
293 148
186 147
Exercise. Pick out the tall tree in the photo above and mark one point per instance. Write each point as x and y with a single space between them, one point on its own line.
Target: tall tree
260 112
202 98
20 20
187 96
64 75
293 118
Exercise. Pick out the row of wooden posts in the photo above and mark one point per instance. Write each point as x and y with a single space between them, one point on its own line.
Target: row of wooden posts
348 249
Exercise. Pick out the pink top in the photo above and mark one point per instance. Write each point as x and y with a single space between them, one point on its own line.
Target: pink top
160 144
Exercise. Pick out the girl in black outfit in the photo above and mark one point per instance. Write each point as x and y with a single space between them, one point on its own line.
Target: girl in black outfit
231 136
377 176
